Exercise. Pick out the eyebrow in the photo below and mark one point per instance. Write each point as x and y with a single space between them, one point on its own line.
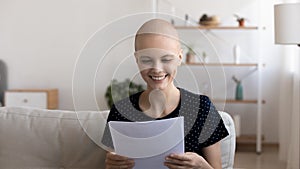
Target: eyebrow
164 56
168 55
145 57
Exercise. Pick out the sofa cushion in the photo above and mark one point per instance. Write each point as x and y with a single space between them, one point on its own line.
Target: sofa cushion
38 138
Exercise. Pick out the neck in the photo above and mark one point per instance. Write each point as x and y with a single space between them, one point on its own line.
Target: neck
157 103
168 92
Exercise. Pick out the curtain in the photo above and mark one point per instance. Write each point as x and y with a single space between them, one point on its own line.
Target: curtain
289 107
293 153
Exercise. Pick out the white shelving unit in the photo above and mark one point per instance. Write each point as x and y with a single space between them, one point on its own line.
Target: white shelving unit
259 66
259 101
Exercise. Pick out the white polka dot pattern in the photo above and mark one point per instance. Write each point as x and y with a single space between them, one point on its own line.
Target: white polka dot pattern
203 125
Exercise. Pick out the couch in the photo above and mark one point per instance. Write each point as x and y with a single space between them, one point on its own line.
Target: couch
38 138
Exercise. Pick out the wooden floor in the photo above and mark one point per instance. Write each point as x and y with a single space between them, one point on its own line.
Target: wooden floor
247 158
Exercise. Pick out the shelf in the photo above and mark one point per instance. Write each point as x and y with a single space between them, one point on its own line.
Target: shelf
223 64
238 101
246 139
218 27
256 65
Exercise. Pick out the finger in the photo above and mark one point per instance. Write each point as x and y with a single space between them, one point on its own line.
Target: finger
174 166
181 157
119 163
174 161
119 166
116 157
178 162
111 164
116 161
190 153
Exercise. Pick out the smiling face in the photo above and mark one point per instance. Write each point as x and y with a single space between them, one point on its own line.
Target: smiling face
158 57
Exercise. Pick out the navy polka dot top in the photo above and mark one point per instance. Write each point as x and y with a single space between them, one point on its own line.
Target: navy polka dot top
203 125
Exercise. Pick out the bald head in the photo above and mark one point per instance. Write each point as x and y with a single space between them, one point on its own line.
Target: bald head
156 27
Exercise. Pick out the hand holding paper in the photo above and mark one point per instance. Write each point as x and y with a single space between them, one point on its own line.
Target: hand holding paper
148 143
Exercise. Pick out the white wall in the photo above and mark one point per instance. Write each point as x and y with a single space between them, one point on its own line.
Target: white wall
41 40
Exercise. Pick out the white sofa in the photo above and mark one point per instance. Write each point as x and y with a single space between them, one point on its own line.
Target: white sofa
37 138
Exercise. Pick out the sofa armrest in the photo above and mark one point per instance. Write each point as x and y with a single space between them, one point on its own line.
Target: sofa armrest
228 143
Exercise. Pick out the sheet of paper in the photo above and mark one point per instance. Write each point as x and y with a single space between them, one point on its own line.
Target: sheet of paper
148 143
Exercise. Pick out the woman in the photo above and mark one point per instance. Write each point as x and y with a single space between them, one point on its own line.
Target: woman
158 54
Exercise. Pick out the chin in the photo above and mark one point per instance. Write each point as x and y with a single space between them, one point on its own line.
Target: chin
161 86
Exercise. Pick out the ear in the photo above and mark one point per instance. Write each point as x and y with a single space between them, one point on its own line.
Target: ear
180 57
136 58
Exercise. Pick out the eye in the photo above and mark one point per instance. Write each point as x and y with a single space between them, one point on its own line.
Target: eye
146 61
166 60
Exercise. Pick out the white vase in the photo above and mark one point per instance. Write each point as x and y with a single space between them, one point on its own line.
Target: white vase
236 54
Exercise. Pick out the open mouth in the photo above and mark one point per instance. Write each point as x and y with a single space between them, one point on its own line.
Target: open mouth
158 78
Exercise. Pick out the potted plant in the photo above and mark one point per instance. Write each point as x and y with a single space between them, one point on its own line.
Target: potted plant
240 20
119 90
190 55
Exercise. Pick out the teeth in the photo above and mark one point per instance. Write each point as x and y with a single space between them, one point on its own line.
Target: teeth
157 77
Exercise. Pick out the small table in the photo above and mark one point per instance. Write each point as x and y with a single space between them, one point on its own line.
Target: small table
39 98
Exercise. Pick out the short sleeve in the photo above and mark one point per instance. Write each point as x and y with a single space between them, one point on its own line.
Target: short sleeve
214 128
114 115
123 110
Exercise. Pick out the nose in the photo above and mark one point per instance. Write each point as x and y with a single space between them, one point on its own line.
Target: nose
157 65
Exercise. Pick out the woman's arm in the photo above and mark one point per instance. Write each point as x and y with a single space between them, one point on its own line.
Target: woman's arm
212 154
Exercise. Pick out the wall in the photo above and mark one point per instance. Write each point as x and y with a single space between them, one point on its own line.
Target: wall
41 41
